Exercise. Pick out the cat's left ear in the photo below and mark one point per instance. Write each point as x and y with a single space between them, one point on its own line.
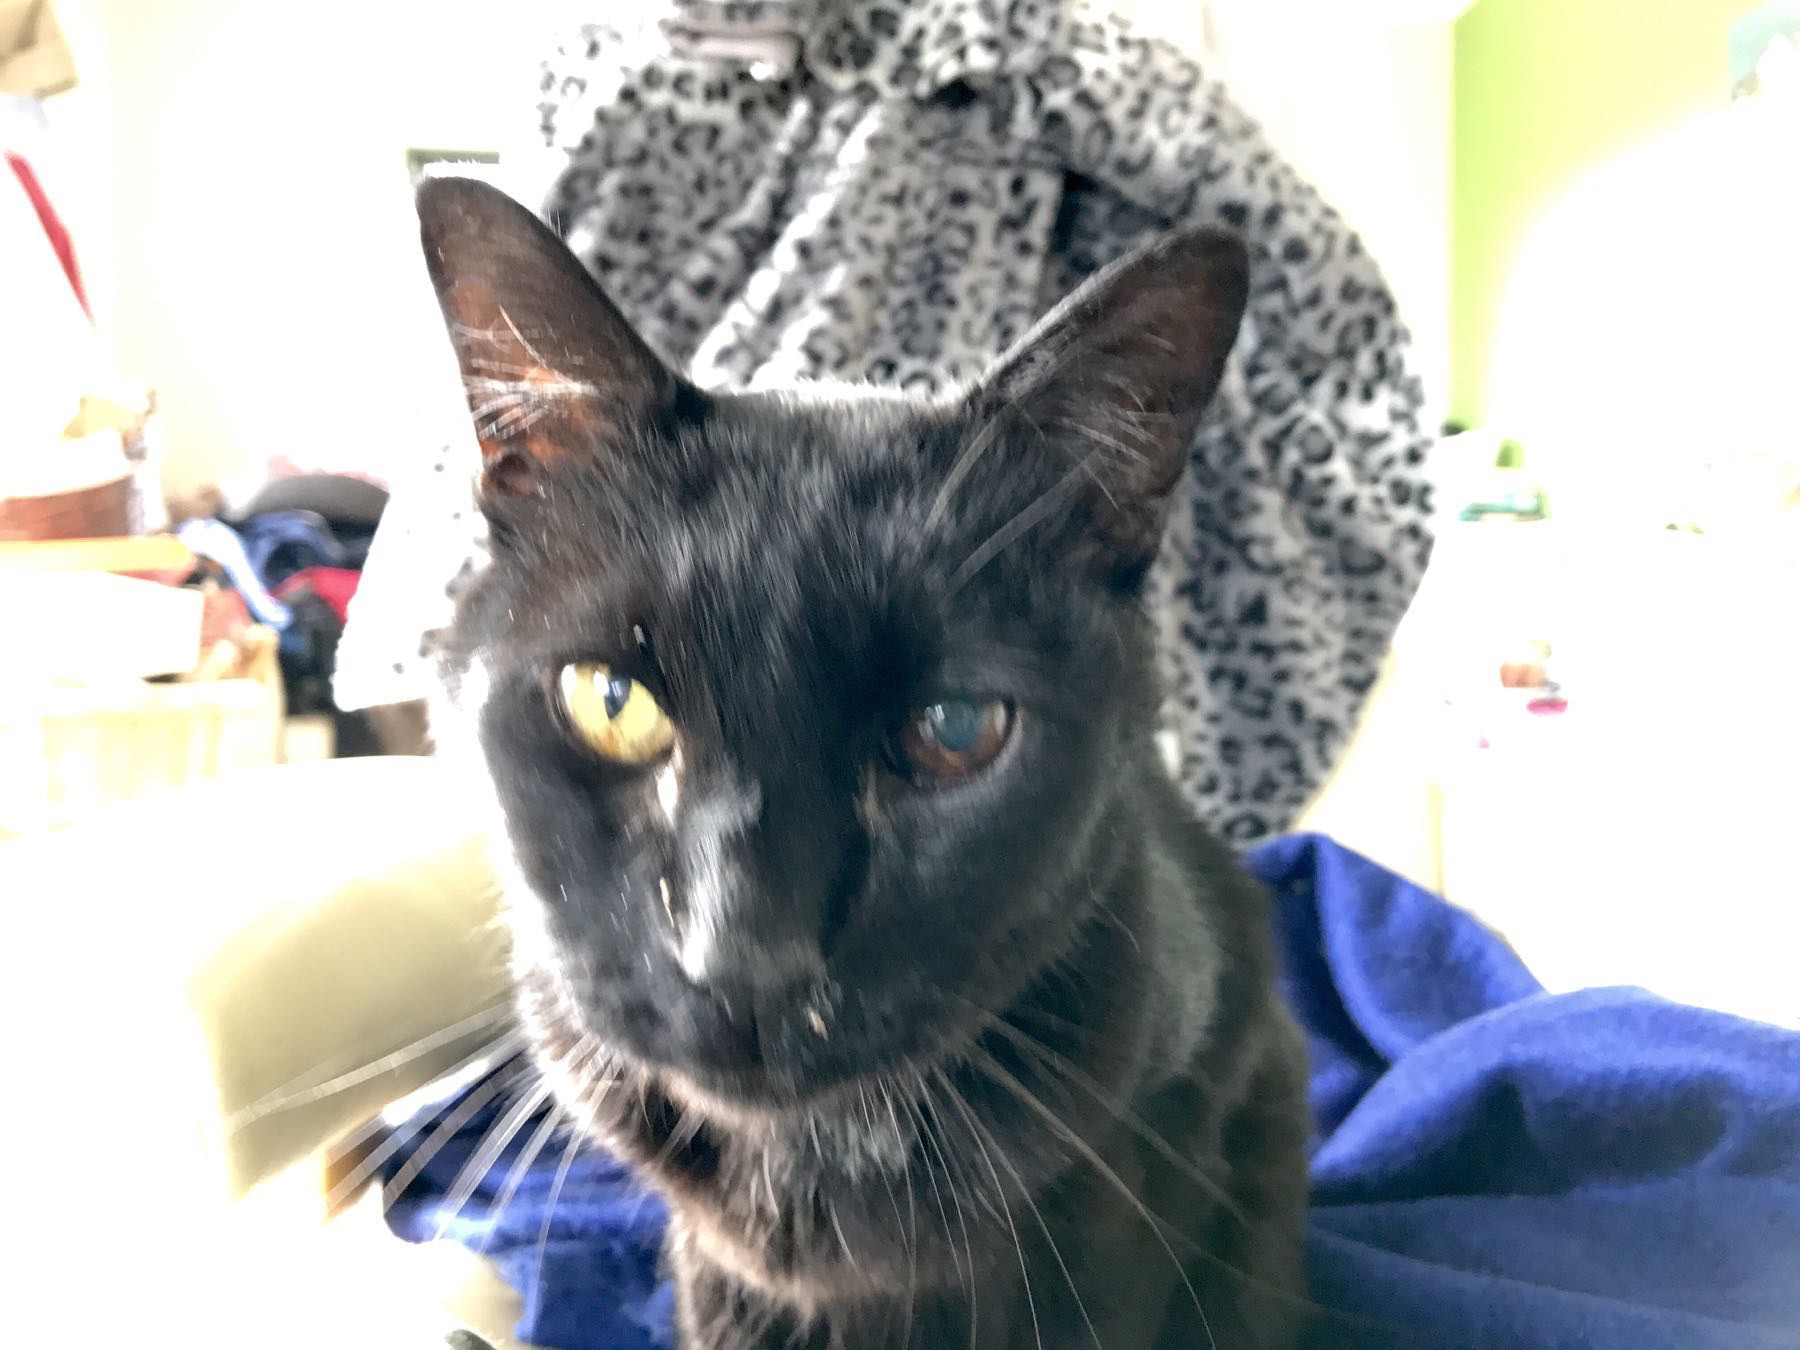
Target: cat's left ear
552 370
1115 380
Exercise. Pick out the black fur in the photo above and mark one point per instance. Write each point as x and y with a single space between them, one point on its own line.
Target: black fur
997 1063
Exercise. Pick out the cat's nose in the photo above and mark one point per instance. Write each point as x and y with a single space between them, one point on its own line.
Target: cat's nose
736 923
743 963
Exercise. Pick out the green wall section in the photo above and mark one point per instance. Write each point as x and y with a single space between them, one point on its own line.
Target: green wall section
1545 90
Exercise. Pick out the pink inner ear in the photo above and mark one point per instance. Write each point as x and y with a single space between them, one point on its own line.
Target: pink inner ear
535 414
549 366
497 452
507 471
517 400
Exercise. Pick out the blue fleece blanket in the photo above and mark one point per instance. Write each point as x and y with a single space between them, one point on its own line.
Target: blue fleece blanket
1495 1166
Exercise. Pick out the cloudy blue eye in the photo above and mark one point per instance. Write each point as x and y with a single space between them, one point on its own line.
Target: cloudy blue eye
953 738
956 725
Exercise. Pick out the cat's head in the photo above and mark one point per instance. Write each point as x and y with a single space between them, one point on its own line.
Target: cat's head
804 711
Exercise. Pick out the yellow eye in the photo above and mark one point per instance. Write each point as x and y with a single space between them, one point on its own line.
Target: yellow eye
615 715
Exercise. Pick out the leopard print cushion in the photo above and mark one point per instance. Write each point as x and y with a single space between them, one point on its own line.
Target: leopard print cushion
897 203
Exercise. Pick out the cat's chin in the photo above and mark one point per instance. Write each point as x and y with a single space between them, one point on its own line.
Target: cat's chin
743 1105
750 1102
596 1071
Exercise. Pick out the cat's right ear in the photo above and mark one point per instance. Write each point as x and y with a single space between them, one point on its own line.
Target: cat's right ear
552 370
1116 378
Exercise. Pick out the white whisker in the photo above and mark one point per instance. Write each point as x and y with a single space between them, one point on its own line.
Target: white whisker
524 342
527 1156
1059 1064
300 1092
965 1269
1036 1213
445 1129
556 1187
469 1177
996 1071
1033 512
1000 1192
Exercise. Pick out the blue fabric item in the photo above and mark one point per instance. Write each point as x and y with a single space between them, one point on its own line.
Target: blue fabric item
1502 1167
281 543
1495 1166
587 1263
217 541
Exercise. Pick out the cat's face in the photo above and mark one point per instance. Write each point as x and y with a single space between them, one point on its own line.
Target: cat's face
802 711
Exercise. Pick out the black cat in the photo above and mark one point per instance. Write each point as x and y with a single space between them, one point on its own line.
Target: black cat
852 901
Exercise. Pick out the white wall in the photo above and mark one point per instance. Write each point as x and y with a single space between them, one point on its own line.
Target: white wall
1646 347
255 258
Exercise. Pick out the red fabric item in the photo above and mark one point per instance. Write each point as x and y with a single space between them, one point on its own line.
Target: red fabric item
53 226
333 585
225 617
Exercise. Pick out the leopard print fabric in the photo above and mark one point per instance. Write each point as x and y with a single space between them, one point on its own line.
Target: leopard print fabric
894 192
